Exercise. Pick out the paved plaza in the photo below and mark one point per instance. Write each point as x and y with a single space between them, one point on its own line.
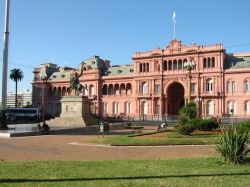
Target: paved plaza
79 147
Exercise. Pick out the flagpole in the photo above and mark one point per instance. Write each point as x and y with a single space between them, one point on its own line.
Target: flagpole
5 64
174 23
174 32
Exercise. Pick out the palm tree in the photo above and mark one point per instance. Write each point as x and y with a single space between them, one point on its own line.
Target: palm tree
16 75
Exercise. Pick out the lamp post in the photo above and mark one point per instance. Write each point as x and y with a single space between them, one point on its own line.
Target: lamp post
199 104
189 66
44 79
5 65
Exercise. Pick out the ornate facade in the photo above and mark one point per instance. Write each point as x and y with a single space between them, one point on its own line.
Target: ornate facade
156 85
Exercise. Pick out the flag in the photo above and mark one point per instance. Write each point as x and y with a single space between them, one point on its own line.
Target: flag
174 18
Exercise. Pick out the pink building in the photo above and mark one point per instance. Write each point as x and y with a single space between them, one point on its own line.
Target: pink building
157 85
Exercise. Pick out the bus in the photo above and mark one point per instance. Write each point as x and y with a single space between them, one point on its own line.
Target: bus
31 113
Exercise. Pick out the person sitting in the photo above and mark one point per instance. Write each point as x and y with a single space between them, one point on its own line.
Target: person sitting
39 127
45 128
162 126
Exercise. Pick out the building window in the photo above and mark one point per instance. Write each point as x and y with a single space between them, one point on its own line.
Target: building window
91 90
213 62
165 65
180 64
193 87
169 65
144 88
116 108
128 108
175 64
247 86
157 89
110 90
209 85
105 108
247 107
157 109
208 63
144 107
210 107
231 107
231 87
147 67
204 63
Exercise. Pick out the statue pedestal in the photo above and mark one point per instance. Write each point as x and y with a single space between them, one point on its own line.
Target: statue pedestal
75 113
74 106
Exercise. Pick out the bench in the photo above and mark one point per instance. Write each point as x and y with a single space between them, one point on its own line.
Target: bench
136 130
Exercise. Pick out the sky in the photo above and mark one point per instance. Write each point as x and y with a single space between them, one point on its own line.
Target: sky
66 32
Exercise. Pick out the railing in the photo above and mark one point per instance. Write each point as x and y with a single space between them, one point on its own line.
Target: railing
153 118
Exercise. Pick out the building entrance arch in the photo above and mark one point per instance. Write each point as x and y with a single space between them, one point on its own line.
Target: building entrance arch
175 98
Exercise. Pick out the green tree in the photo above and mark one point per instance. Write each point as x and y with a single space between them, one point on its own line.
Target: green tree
187 113
16 75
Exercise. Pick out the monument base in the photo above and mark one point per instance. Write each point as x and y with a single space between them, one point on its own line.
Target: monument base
75 113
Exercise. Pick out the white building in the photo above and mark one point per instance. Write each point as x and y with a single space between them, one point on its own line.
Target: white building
24 98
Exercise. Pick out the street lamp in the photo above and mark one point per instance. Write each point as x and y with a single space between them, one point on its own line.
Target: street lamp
44 79
199 99
189 66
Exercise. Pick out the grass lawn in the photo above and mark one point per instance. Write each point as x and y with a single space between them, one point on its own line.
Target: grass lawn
179 172
163 138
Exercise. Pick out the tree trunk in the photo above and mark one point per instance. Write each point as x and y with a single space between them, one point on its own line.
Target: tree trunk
16 96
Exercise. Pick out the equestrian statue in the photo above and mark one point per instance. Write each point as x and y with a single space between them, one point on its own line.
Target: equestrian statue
75 85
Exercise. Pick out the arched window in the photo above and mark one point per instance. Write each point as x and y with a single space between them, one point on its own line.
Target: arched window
247 108
180 64
210 107
111 89
208 62
147 67
144 67
175 64
209 85
128 89
59 92
104 89
140 67
123 89
170 65
204 62
64 91
213 62
144 88
117 89
165 65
